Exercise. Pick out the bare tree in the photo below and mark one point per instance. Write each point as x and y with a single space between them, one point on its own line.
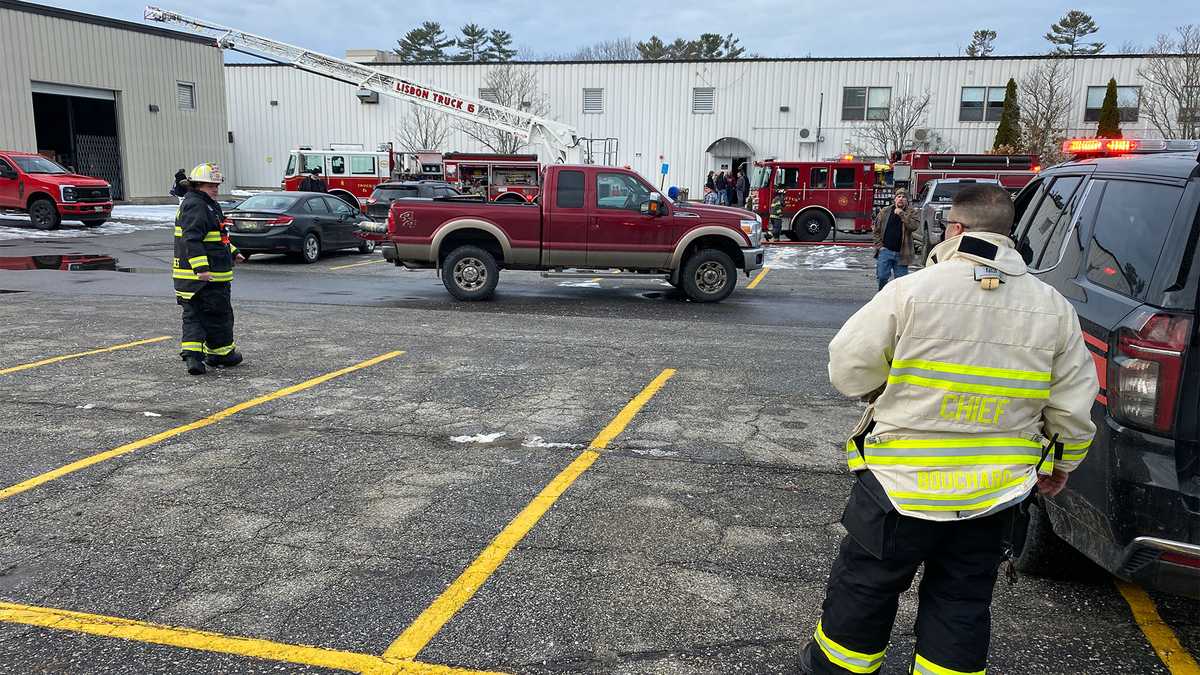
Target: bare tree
620 49
1045 109
424 129
514 87
1171 97
1130 47
907 112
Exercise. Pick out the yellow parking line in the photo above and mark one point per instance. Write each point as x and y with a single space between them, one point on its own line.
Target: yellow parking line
1164 641
369 262
187 638
191 426
426 626
758 278
64 357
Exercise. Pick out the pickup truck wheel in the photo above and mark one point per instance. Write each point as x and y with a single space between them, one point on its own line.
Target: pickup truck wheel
1046 555
44 215
709 276
470 273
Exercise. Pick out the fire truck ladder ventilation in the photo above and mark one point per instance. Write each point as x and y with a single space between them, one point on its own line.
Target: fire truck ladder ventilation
560 140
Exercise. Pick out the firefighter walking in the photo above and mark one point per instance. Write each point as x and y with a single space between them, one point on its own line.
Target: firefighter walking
981 390
202 271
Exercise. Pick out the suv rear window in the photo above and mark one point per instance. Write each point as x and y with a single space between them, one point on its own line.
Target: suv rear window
387 194
1131 227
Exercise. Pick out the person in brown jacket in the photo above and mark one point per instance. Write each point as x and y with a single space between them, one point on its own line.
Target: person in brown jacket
893 232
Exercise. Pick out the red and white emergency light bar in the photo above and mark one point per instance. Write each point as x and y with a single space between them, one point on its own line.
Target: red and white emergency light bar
1125 146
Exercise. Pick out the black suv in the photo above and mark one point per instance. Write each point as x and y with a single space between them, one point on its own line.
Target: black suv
379 203
1117 235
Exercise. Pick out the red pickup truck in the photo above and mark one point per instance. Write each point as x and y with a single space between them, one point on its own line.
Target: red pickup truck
589 221
49 193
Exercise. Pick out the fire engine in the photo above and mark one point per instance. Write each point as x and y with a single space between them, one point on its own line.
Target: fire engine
914 169
818 196
503 178
350 172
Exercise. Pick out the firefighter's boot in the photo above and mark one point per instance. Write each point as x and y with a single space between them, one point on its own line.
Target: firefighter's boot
225 360
194 364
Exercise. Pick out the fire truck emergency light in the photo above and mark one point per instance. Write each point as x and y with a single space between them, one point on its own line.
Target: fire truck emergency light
1112 146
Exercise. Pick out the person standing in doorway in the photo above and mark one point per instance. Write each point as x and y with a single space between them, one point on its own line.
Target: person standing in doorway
709 182
722 188
731 193
743 186
893 232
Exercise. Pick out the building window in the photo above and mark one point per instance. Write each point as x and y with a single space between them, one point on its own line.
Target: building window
185 95
866 103
593 101
981 104
489 95
1128 101
703 100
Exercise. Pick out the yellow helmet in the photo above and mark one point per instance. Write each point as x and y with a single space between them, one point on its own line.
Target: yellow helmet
206 173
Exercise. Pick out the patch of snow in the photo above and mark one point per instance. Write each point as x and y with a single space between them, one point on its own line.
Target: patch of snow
16 227
156 212
477 438
579 284
89 406
654 452
537 442
151 414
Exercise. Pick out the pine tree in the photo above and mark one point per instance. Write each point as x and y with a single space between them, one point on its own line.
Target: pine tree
425 44
981 43
1110 115
1008 134
653 49
499 47
1068 32
472 43
709 46
733 50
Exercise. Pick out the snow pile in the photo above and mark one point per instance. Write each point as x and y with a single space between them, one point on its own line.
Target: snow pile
478 438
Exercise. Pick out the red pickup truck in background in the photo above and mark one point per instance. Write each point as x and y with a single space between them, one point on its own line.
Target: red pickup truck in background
49 193
589 221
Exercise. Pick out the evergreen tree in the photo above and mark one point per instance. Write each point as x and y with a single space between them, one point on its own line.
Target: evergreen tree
653 49
732 49
709 46
1068 32
499 47
981 43
425 44
472 44
1110 115
1008 134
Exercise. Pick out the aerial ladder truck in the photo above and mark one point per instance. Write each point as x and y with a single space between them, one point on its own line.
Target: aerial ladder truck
560 141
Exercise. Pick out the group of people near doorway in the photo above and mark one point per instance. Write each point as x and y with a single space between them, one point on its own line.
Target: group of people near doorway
727 189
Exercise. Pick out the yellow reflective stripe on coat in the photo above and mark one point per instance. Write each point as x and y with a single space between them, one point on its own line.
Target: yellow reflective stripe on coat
198 261
855 662
954 452
189 275
923 666
971 379
211 236
967 387
1075 451
853 457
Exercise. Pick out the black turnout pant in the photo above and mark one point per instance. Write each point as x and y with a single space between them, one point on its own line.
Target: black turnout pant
953 627
208 321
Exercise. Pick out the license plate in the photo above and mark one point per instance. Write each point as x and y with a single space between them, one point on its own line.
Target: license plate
246 225
97 208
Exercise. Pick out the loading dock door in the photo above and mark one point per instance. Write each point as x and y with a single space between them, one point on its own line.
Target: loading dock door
77 127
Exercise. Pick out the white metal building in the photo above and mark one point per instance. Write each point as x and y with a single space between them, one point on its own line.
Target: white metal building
122 101
696 116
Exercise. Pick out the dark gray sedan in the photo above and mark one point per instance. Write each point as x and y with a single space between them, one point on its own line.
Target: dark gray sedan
300 224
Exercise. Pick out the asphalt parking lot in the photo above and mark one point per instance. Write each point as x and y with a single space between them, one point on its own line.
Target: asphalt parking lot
582 476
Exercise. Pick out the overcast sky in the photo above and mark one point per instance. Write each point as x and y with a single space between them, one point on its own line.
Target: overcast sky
767 28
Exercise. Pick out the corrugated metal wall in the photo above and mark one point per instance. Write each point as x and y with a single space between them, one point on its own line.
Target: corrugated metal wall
142 69
646 105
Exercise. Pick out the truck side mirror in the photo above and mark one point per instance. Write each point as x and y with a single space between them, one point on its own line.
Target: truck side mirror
652 207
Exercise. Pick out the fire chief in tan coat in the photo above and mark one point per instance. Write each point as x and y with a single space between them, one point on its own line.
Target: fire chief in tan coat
981 391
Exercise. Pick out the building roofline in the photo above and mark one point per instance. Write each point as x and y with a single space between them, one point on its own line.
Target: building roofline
823 59
97 20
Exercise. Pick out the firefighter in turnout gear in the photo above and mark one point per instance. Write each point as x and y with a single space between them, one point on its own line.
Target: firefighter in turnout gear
981 391
776 214
202 271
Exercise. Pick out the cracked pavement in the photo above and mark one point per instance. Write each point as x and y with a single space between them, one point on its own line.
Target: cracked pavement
698 543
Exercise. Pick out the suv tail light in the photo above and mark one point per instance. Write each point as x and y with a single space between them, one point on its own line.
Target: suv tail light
1146 371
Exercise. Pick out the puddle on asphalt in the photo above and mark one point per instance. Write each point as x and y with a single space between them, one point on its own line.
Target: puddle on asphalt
71 262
